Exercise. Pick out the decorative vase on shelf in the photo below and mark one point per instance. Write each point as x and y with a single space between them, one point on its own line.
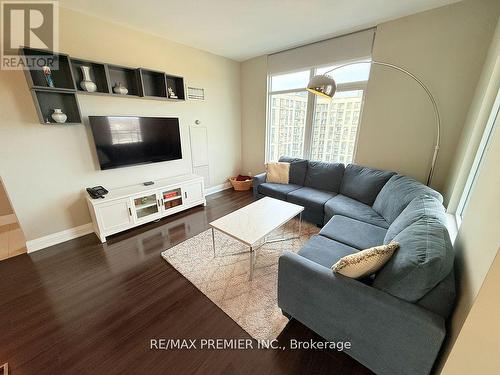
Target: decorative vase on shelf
120 89
87 84
59 116
48 76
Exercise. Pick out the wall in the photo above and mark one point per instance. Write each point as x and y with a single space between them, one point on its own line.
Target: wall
253 113
479 111
5 208
478 242
446 47
476 349
46 168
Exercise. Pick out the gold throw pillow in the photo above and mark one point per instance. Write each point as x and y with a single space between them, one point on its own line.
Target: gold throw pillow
278 172
365 262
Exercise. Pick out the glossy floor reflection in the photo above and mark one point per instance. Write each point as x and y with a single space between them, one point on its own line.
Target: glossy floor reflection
84 307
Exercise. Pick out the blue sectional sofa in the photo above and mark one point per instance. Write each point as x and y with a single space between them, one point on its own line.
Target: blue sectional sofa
395 320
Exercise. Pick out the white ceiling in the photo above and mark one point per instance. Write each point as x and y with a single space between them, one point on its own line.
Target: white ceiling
242 29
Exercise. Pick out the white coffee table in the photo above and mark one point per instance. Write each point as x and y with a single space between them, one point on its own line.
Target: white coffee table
253 223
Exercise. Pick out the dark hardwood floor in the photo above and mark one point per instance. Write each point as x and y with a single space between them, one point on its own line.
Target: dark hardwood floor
83 307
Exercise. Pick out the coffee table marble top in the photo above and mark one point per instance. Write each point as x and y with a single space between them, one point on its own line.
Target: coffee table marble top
252 223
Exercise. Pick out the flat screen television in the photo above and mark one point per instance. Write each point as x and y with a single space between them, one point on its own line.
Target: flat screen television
121 141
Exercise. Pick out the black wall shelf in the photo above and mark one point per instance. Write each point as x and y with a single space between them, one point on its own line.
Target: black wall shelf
152 84
140 83
61 77
48 100
98 75
176 83
128 77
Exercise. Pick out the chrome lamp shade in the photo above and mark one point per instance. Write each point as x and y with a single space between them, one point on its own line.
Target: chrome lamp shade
322 85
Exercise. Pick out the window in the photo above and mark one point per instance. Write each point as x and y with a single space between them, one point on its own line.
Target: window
481 152
301 124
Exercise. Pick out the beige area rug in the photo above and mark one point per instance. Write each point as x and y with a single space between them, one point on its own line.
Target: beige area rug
225 278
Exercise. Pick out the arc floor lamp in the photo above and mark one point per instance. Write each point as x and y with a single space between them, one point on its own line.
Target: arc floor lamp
324 85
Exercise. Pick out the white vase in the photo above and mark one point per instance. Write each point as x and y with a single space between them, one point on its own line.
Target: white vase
87 83
59 116
120 89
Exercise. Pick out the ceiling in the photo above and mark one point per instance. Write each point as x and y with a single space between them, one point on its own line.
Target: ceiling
242 29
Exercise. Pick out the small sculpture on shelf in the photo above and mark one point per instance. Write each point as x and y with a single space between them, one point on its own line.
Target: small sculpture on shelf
120 89
59 116
48 76
87 84
171 93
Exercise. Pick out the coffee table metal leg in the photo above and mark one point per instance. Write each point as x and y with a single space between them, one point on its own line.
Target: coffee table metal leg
300 225
213 240
252 262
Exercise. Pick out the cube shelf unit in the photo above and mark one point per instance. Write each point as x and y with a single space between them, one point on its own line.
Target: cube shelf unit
98 74
140 83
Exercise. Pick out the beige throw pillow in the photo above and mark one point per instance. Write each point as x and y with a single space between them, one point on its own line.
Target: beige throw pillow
278 172
365 262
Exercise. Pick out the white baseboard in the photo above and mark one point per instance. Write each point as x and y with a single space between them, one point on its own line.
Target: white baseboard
217 188
55 238
82 230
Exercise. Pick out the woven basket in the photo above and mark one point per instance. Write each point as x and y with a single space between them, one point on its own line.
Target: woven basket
240 185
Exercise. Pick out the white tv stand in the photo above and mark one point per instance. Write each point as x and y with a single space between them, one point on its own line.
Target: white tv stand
130 206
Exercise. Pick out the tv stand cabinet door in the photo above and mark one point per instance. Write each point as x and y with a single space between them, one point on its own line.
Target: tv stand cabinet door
193 192
115 216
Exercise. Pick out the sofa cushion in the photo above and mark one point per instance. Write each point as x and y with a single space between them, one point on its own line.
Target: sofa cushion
442 297
363 183
324 251
311 199
324 176
298 169
345 206
397 193
278 191
424 205
425 257
353 232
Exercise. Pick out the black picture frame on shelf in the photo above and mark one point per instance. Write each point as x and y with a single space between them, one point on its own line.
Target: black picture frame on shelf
152 84
98 75
48 100
128 77
61 77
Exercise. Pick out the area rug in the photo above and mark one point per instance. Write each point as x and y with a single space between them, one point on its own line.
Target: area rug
225 278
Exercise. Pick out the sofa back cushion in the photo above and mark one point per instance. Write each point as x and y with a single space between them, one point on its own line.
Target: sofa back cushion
397 193
425 257
363 183
324 176
423 205
298 169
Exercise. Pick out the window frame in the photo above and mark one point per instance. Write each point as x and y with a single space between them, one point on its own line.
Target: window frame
310 110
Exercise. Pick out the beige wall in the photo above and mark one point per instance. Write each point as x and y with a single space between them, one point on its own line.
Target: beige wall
46 168
446 47
253 113
5 208
479 111
476 349
478 241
